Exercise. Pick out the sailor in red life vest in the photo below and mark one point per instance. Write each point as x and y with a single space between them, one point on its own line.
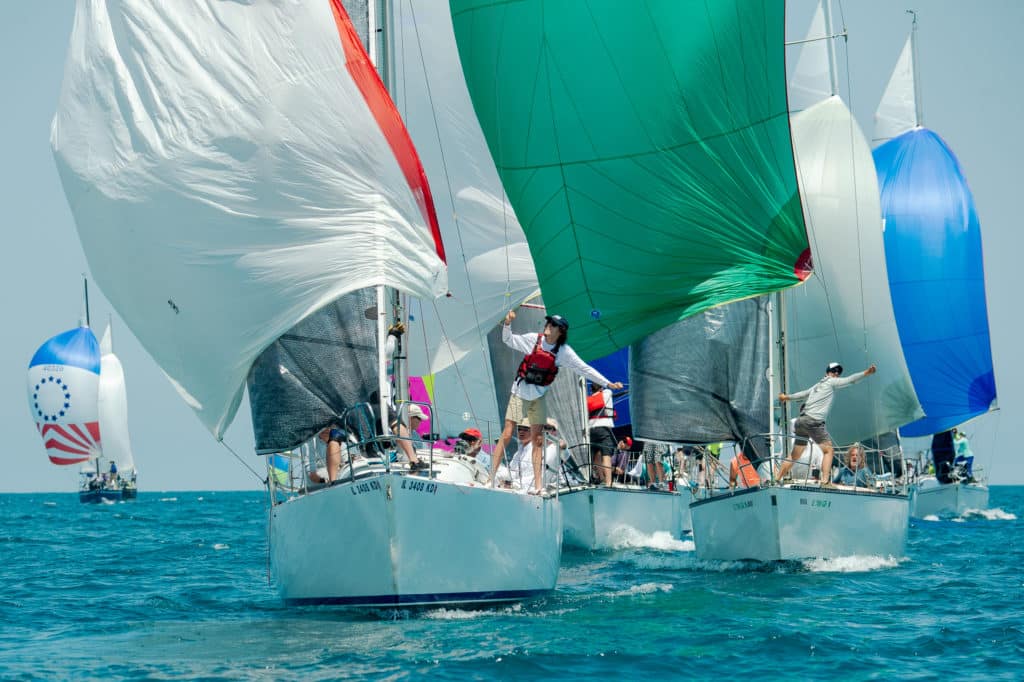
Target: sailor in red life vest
601 412
546 353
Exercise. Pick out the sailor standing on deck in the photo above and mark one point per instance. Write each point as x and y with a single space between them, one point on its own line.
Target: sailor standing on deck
811 422
546 353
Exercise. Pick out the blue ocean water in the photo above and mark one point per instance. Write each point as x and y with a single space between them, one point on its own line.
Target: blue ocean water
175 586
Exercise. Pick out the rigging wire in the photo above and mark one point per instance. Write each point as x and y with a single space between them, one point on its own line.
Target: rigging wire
244 463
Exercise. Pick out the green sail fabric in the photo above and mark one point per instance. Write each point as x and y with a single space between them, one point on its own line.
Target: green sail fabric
645 147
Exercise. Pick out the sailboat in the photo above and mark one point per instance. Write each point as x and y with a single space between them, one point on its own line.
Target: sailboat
257 166
936 279
843 311
77 398
642 202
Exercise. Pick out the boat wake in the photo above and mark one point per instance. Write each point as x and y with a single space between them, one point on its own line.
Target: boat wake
996 514
469 614
625 537
850 564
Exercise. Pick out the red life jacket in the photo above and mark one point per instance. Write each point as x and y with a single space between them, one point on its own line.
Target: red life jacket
538 367
596 407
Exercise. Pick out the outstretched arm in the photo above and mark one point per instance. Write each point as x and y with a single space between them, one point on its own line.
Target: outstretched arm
567 358
854 378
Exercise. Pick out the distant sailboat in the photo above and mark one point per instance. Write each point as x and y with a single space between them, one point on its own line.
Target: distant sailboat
936 280
76 395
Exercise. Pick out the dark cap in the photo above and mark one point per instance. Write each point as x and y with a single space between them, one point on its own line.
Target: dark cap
558 321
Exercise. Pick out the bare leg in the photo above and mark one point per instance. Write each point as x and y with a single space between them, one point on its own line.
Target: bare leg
826 461
405 445
798 450
499 449
333 459
537 438
606 472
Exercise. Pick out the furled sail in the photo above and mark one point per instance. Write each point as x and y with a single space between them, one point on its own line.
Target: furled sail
233 168
935 267
645 149
844 313
489 265
63 385
113 407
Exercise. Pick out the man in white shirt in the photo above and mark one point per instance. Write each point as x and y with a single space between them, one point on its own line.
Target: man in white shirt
810 425
546 353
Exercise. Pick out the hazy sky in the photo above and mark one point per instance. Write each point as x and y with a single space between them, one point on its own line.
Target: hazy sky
969 60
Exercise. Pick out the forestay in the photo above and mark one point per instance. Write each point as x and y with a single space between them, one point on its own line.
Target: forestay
232 168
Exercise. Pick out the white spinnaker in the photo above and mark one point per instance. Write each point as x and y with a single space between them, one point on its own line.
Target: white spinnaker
228 178
844 313
897 110
113 408
489 266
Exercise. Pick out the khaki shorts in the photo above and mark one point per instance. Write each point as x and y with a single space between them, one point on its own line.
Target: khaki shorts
534 411
807 427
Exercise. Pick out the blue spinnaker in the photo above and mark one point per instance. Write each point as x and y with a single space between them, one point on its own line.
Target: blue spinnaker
936 278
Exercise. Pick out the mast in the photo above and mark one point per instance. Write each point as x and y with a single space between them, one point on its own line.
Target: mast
85 288
375 40
918 108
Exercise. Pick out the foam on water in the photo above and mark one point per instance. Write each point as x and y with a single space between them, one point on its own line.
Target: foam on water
851 564
991 514
624 537
449 613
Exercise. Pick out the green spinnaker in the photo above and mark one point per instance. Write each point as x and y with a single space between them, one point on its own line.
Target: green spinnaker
646 150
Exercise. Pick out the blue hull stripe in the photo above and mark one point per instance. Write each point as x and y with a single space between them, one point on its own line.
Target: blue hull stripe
419 599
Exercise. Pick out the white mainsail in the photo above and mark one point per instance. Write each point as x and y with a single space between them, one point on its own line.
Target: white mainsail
810 81
113 408
898 110
224 189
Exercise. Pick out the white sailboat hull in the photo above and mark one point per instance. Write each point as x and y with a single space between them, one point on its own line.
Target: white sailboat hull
599 518
793 523
391 540
931 498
